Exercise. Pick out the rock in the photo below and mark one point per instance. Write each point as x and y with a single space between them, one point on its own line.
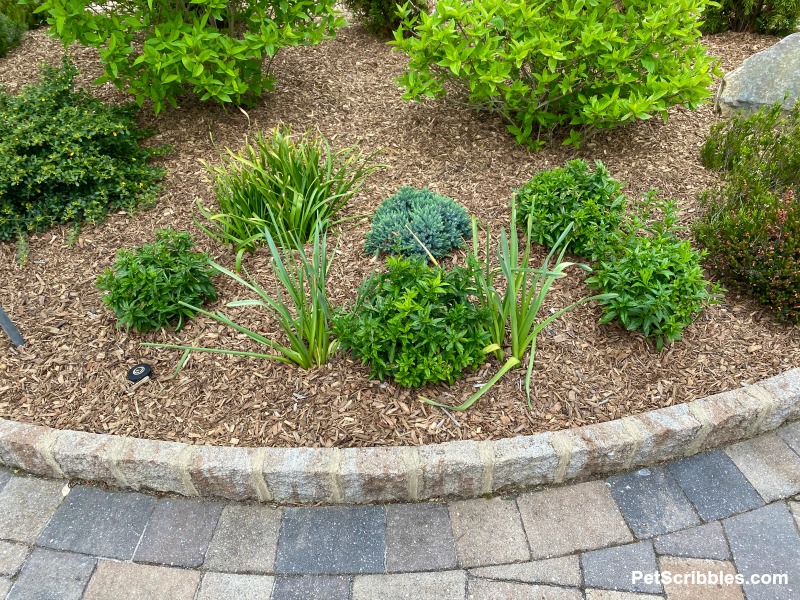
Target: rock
763 79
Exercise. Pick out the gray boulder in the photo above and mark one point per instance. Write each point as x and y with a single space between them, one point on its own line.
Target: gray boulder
763 79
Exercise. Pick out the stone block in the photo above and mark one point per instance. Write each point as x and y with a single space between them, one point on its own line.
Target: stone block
224 472
374 475
156 465
302 475
523 462
665 434
610 447
88 456
451 470
28 447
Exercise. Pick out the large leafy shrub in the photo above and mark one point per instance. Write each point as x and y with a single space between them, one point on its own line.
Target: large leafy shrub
294 184
65 156
160 49
10 34
751 222
656 278
23 12
414 222
777 17
591 201
576 65
416 324
383 16
151 286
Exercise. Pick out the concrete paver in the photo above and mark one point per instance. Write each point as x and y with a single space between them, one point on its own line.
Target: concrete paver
26 506
715 580
50 574
445 584
12 555
488 532
705 541
113 580
312 587
769 465
616 568
419 538
232 586
563 571
245 540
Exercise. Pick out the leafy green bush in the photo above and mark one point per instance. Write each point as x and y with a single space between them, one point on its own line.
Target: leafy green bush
416 324
65 156
440 224
592 201
304 318
10 34
296 183
23 12
160 49
149 287
383 16
543 65
657 279
751 221
777 17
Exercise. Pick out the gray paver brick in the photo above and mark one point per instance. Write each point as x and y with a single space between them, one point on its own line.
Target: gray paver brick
411 586
766 541
178 533
613 568
488 532
714 485
12 555
556 519
769 465
230 586
245 539
312 587
706 541
26 505
795 508
5 586
140 582
5 476
716 590
98 522
53 575
332 540
481 589
419 538
612 595
791 435
564 571
652 502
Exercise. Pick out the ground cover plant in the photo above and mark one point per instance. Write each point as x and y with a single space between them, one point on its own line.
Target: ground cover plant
751 223
777 17
655 277
159 50
416 324
416 222
292 183
158 284
65 156
590 201
547 65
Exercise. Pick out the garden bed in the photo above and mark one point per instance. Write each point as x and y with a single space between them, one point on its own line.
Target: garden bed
71 372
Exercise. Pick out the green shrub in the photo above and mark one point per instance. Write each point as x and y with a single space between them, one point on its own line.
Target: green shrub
416 324
304 318
657 279
553 64
65 156
160 49
592 201
23 12
297 183
10 34
777 17
440 224
384 16
148 286
751 221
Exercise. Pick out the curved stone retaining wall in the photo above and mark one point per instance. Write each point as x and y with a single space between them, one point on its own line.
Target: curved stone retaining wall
363 475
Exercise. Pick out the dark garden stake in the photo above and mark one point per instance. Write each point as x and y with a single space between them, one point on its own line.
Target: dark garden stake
11 331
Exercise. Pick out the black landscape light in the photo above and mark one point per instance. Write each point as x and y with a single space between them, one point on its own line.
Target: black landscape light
139 372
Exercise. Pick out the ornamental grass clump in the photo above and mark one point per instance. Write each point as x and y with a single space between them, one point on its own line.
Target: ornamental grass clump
590 201
159 283
656 278
65 156
751 220
418 223
292 182
574 66
416 324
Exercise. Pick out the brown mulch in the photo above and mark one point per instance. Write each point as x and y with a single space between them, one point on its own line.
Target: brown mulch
71 372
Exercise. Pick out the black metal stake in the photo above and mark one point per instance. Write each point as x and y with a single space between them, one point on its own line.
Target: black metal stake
11 331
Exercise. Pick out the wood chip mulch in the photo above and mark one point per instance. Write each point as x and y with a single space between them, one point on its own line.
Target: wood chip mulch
71 372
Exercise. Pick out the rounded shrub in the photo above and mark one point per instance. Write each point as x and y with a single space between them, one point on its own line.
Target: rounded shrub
416 324
591 200
10 34
147 286
384 16
439 223
777 17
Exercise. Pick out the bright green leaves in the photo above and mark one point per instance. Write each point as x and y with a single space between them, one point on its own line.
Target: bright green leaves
214 49
560 65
